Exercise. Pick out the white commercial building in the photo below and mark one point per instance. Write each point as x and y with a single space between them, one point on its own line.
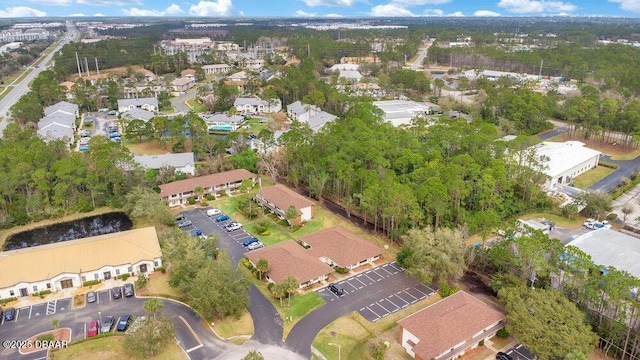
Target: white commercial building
608 247
181 162
562 162
400 112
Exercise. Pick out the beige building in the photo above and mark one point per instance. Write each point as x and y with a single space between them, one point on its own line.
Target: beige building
68 264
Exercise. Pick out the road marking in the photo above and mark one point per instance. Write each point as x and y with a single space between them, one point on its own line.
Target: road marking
392 303
400 297
372 281
355 288
378 316
387 271
425 295
385 309
191 329
30 310
194 348
360 281
51 310
405 291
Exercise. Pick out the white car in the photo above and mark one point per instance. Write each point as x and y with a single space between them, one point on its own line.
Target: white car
233 227
213 212
255 245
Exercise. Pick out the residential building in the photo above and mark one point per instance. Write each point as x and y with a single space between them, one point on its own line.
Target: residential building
135 92
309 114
290 259
57 131
60 118
223 122
178 192
181 162
62 107
216 69
254 105
68 264
278 198
192 47
181 85
240 84
561 162
338 246
344 67
608 247
188 73
149 104
137 113
448 328
401 112
241 75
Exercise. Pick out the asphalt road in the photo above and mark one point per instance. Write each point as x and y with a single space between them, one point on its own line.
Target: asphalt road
179 103
625 169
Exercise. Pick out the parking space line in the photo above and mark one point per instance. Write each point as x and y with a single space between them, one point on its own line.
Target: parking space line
350 284
368 308
416 288
385 309
372 281
392 303
389 272
400 297
405 291
363 284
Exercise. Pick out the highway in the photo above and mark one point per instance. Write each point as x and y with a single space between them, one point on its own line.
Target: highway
22 87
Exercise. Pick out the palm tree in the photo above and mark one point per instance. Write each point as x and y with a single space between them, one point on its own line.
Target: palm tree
290 285
198 191
262 266
152 306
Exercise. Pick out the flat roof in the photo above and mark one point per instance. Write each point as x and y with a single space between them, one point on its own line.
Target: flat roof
563 156
44 262
608 247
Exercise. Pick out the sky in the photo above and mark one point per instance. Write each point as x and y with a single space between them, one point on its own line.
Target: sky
317 8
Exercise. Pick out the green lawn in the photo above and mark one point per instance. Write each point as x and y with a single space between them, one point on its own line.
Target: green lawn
110 348
583 181
196 106
303 304
231 327
557 219
276 234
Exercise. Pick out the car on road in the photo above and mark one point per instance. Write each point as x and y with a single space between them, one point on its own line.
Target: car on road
222 218
213 212
184 224
124 323
128 290
116 292
255 245
233 227
195 232
336 289
9 314
503 356
92 329
91 297
250 241
107 324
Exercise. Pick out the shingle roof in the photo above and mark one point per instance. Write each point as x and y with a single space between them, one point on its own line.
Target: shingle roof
317 121
137 113
283 197
448 322
341 246
290 259
205 181
253 101
182 81
47 261
56 131
62 106
58 117
137 102
299 108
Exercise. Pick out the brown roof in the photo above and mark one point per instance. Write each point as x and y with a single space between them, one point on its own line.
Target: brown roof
449 322
186 72
205 181
283 197
44 262
341 246
289 259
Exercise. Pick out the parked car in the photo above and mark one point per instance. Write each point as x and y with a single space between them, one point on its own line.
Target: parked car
9 314
124 323
222 218
213 212
233 227
84 148
195 232
180 217
117 139
255 245
116 292
503 356
84 141
91 297
336 289
92 329
250 241
184 224
107 324
114 135
128 289
85 133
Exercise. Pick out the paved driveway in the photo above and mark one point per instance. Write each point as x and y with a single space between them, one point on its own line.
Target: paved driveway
519 352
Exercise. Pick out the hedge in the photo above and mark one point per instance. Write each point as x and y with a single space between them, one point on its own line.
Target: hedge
7 300
91 283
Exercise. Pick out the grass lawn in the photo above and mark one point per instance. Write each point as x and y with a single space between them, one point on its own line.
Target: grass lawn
253 126
559 220
147 148
276 234
196 106
583 181
230 326
353 333
158 285
110 348
500 343
302 305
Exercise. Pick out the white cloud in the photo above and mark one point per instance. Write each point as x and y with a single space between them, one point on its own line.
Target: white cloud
628 5
98 15
433 12
420 2
78 15
456 14
212 8
21 11
173 9
110 2
301 13
536 6
485 13
390 10
333 15
52 2
314 3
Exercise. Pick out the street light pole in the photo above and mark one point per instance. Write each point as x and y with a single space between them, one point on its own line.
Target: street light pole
338 345
100 325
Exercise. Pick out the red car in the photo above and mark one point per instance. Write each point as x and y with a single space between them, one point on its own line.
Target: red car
92 330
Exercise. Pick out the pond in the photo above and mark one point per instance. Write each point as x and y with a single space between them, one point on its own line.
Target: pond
71 230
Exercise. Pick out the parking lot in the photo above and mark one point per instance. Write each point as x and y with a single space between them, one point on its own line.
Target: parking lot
521 352
387 302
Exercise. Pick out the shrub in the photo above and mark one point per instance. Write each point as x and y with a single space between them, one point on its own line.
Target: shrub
262 226
210 197
481 342
91 283
191 200
296 228
283 222
446 290
246 263
162 269
377 350
7 300
223 193
270 285
607 165
142 281
45 337
612 216
341 270
204 202
124 277
502 333
45 292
